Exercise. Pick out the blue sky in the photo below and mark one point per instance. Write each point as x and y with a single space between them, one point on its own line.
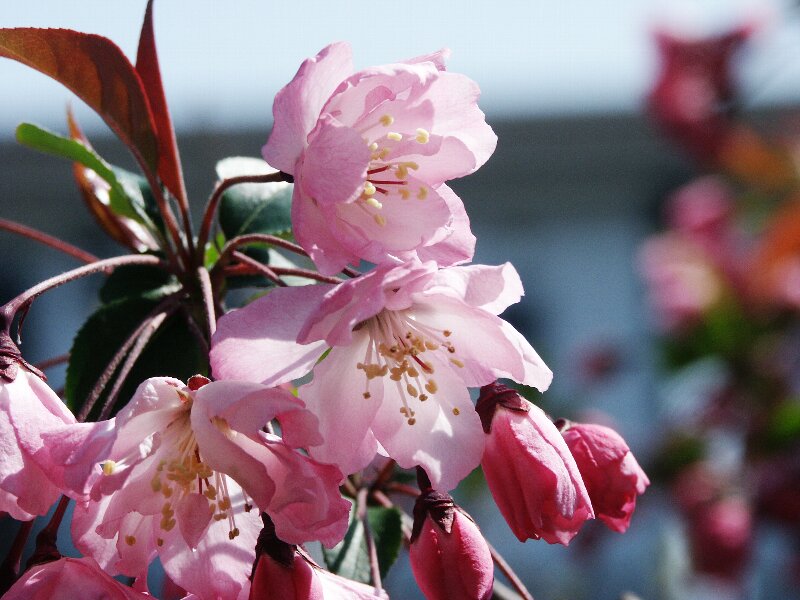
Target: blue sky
223 61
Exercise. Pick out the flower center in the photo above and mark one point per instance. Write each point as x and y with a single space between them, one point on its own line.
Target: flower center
387 177
182 472
404 349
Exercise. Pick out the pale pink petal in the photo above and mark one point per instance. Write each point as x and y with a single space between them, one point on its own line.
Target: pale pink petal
492 289
488 347
399 227
217 567
336 396
86 518
445 438
334 164
258 342
193 517
454 243
438 58
297 106
335 587
312 228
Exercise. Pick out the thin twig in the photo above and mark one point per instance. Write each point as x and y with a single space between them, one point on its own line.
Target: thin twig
46 549
141 342
361 514
48 240
208 299
10 308
260 267
402 488
195 330
52 362
259 238
216 196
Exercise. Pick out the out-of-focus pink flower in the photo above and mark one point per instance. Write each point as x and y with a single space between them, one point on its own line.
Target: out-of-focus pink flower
683 284
720 535
29 480
405 343
449 557
612 476
182 469
70 578
529 469
694 89
370 152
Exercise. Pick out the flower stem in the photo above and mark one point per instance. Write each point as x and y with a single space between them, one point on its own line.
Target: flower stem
361 514
208 299
149 329
10 566
23 301
254 238
52 362
506 569
111 368
46 548
309 274
260 268
48 240
216 196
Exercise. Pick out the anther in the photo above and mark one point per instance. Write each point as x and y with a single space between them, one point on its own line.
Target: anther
108 467
431 386
367 395
233 533
394 136
422 193
456 412
130 540
380 220
387 120
374 203
369 189
422 136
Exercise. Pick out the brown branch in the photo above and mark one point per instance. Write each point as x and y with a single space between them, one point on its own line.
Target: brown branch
260 268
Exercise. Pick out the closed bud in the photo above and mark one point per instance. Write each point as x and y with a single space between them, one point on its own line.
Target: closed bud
612 476
449 557
529 469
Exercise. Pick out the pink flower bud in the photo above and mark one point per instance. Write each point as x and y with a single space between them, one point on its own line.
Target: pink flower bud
612 476
449 557
530 471
70 578
721 536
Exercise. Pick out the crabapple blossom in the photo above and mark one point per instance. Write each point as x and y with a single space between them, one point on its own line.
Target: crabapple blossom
370 152
449 557
529 469
30 482
612 476
182 467
406 342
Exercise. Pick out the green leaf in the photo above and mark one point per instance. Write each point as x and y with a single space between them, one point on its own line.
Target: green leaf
350 558
126 196
145 281
253 207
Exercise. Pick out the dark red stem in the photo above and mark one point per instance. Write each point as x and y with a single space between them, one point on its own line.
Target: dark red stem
48 240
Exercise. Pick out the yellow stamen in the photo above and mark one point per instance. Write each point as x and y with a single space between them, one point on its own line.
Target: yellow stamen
422 136
387 120
393 135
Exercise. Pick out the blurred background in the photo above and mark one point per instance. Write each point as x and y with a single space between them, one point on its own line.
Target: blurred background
615 122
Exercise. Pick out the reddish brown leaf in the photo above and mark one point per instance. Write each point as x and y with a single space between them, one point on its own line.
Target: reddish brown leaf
97 71
169 164
95 195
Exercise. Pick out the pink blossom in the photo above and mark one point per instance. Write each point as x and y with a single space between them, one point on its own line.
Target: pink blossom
370 152
405 343
721 537
612 476
70 578
529 469
29 480
302 580
183 467
449 557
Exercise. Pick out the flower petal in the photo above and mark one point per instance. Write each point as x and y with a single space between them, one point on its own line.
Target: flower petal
454 243
297 106
258 342
489 288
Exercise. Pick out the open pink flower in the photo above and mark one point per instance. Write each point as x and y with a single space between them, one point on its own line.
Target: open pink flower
406 342
29 480
183 467
612 476
529 469
370 152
